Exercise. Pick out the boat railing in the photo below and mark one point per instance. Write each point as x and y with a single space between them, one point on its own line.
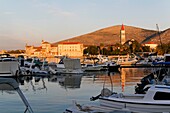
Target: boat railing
11 84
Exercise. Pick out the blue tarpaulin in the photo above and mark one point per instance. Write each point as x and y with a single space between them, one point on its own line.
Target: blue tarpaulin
162 63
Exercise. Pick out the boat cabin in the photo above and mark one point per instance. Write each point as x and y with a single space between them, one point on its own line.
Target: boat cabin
160 92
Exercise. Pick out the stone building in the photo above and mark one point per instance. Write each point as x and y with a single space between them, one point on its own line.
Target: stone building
70 49
49 50
152 45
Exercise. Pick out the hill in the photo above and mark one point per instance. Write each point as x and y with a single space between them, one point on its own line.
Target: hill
164 36
111 35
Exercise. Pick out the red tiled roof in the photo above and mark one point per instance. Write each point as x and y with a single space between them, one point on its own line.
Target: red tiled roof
53 46
38 48
27 46
122 28
70 43
150 43
45 43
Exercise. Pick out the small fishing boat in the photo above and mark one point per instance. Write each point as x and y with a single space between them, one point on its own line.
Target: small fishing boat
156 99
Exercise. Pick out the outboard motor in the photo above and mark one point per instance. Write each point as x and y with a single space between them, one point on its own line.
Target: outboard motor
139 89
22 62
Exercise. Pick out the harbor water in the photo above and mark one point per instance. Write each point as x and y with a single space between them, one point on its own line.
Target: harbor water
55 93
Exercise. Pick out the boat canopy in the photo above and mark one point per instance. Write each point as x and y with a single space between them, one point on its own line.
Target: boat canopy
162 63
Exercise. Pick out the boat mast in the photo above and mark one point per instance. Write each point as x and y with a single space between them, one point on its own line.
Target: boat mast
159 36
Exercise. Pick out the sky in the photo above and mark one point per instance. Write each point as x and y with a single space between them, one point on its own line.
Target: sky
31 21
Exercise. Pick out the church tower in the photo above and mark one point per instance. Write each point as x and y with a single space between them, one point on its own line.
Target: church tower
122 35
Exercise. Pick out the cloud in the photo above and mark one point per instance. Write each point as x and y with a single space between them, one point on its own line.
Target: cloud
54 10
57 12
8 13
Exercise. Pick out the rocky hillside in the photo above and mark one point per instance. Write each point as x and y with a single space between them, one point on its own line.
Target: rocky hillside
164 36
111 35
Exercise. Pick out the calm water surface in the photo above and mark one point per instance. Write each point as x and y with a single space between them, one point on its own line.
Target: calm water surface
54 94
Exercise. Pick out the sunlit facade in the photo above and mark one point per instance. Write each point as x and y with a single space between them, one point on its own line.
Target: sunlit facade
70 49
152 45
48 50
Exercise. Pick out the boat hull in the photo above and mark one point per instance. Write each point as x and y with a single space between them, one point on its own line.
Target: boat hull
114 68
135 106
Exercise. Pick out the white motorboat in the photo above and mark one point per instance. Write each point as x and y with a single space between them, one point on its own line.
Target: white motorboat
130 60
33 67
92 67
156 99
9 66
70 66
126 61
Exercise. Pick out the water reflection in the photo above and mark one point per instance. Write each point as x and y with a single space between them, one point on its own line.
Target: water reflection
36 81
126 77
69 81
10 84
123 79
55 93
66 81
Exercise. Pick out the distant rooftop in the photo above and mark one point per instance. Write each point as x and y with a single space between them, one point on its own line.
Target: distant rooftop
150 43
123 27
70 43
45 43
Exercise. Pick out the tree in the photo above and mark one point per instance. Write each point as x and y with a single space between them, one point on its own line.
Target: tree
145 49
105 51
92 50
15 51
101 48
164 48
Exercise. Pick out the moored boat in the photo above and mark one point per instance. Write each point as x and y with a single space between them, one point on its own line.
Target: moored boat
91 67
113 67
9 66
156 99
70 66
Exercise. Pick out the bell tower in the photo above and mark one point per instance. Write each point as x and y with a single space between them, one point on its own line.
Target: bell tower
122 35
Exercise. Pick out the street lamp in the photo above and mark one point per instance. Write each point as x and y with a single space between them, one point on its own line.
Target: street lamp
130 46
118 50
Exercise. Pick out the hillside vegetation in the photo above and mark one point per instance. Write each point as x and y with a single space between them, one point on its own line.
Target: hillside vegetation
111 36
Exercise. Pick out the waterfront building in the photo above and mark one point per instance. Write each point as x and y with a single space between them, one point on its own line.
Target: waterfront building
122 35
70 49
152 45
47 49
